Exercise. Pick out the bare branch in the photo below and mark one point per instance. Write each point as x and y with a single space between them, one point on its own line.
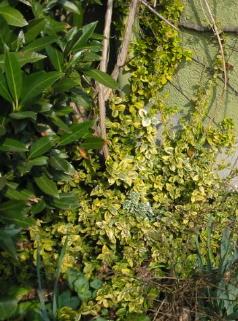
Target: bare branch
121 58
103 67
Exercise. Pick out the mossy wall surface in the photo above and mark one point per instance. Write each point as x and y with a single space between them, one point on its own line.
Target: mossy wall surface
204 47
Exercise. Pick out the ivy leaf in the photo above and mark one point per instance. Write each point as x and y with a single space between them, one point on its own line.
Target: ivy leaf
46 185
102 78
13 16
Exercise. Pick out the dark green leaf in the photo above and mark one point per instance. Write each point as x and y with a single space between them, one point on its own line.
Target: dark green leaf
92 143
232 316
23 115
24 58
46 185
38 207
61 165
60 123
56 57
7 242
13 16
88 31
66 299
38 82
102 78
29 57
7 308
17 219
40 43
13 75
78 131
66 84
4 89
21 195
39 161
12 145
40 147
66 201
34 29
12 206
69 5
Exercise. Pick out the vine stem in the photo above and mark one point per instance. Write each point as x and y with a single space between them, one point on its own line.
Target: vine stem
158 14
103 67
216 31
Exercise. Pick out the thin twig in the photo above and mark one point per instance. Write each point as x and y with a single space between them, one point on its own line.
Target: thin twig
201 28
158 310
121 58
158 14
216 31
103 67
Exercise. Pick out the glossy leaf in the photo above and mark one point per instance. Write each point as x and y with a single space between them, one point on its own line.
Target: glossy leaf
13 75
102 78
46 185
66 201
34 29
8 308
24 58
7 242
19 195
4 92
38 207
78 131
69 5
37 82
18 219
13 16
39 161
40 147
61 164
40 43
56 57
12 206
23 115
87 32
92 143
12 145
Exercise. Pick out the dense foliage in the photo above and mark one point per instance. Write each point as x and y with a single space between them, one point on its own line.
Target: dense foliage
103 233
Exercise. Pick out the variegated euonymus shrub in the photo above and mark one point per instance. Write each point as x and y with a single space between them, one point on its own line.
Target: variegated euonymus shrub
138 213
